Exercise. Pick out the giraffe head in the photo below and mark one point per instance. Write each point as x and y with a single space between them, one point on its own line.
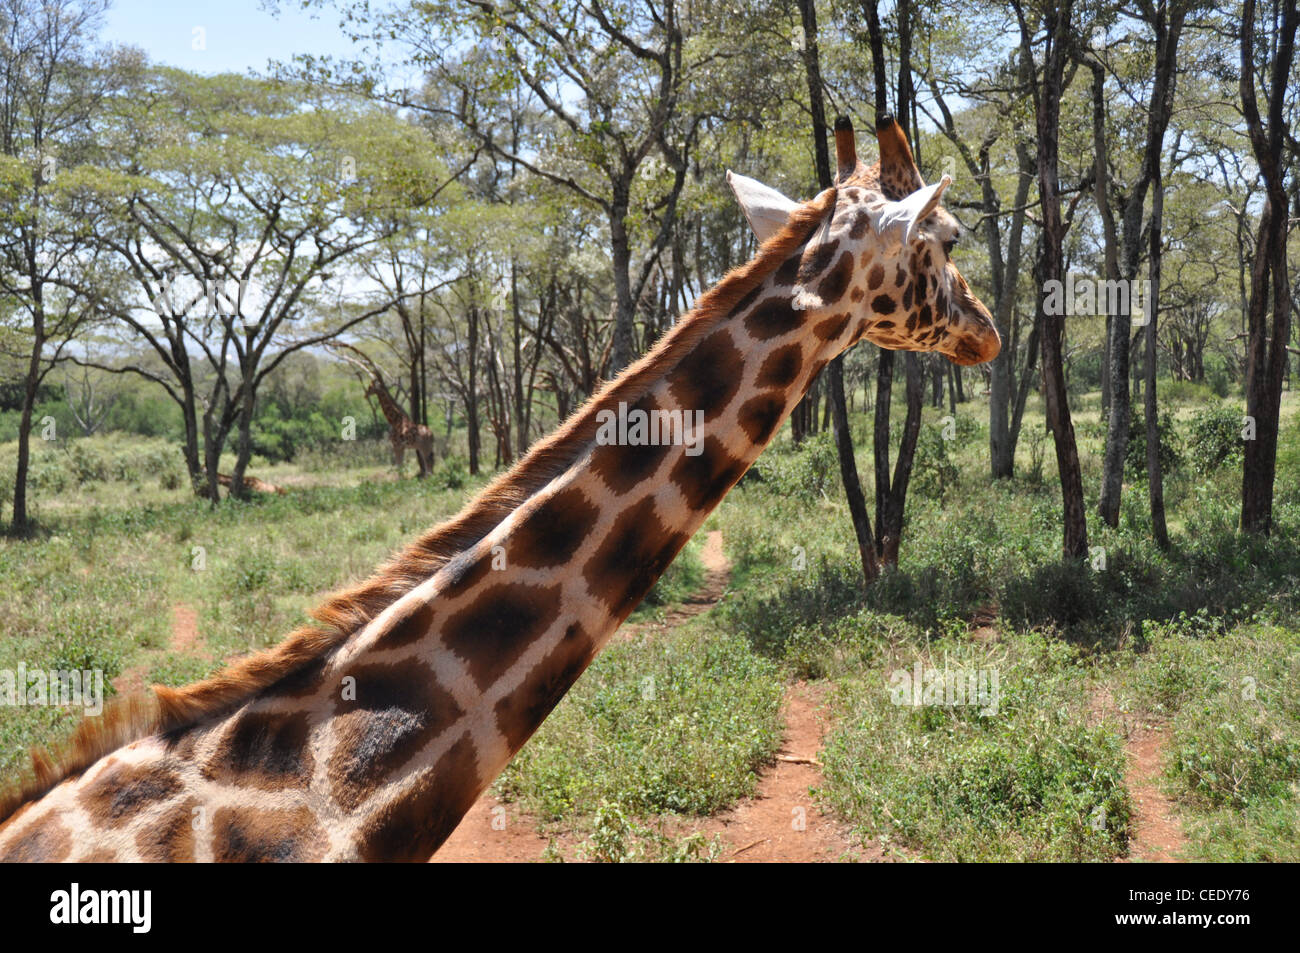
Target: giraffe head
882 256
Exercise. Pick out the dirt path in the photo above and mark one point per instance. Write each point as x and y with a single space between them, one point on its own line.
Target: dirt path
779 823
184 639
717 574
1157 835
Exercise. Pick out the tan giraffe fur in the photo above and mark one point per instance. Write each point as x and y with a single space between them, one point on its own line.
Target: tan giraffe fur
370 735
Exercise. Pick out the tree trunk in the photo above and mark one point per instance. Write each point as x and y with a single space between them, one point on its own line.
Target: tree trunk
21 522
1266 347
1050 268
1115 394
1155 479
880 444
624 344
835 372
890 528
471 394
1167 33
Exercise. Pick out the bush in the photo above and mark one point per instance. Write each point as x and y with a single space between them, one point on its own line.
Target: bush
452 473
934 471
808 473
1135 456
1214 439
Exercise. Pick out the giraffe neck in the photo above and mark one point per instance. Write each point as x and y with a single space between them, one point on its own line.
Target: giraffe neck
499 635
396 418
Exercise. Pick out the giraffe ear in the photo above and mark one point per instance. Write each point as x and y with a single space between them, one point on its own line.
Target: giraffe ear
766 209
905 215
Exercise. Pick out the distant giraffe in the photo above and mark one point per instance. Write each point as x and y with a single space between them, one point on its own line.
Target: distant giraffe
403 432
368 736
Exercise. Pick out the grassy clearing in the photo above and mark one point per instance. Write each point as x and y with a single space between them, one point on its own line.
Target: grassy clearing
1027 777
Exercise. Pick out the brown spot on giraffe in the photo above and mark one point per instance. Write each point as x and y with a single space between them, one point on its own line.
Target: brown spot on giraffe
832 287
262 750
705 478
709 377
551 534
832 327
635 552
624 467
520 713
761 415
249 835
491 634
746 300
466 572
412 828
125 789
411 628
773 318
43 843
781 367
816 261
170 839
397 709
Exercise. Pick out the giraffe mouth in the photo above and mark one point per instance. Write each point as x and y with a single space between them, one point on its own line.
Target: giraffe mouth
975 349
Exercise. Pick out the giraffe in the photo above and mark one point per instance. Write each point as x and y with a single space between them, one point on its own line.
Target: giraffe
368 735
402 430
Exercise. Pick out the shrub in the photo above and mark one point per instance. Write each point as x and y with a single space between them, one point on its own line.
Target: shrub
1214 438
1135 456
934 471
451 474
808 473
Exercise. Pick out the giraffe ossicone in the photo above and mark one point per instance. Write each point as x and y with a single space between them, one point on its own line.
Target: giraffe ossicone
369 735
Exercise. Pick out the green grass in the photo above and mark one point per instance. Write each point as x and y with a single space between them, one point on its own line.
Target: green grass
659 726
1234 754
1027 777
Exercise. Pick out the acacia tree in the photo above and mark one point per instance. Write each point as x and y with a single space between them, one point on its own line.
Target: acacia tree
1165 22
52 80
244 210
624 86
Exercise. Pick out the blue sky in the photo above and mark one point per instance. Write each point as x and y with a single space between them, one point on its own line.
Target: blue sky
238 35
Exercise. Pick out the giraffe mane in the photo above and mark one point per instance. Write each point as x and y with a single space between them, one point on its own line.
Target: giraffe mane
173 710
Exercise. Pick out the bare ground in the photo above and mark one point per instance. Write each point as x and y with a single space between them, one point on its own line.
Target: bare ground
184 639
1156 835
